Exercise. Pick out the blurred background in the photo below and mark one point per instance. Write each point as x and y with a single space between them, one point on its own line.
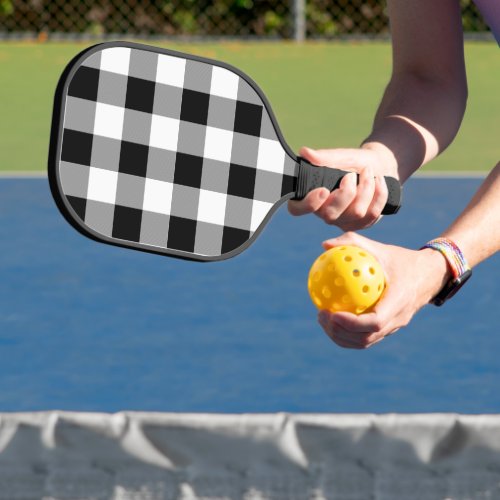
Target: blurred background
332 80
283 19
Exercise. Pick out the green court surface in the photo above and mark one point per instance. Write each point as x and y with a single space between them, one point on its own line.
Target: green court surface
323 94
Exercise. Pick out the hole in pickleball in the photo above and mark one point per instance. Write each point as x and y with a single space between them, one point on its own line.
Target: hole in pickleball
346 299
337 306
360 309
356 273
327 293
379 287
348 258
317 276
372 270
339 281
317 300
362 254
366 289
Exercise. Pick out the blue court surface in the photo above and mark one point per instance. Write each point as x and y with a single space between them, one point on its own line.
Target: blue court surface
91 327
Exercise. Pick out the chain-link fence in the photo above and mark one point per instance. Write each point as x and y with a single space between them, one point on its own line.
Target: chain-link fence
207 18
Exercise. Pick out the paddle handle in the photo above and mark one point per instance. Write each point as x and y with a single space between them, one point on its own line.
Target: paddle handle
311 177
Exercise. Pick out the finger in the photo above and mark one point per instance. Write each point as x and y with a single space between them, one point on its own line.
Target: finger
380 195
328 157
338 334
348 338
393 332
343 158
315 198
344 344
311 155
362 324
338 201
365 191
362 340
354 341
375 339
366 209
374 342
311 203
385 318
342 341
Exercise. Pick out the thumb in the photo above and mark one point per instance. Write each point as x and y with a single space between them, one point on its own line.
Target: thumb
349 238
339 157
311 155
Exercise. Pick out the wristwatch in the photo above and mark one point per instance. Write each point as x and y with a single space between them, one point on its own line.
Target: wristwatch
459 267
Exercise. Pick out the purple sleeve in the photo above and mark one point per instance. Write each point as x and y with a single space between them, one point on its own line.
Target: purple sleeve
490 9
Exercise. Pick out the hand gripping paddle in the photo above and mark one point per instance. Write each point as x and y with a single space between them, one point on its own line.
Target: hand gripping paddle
171 153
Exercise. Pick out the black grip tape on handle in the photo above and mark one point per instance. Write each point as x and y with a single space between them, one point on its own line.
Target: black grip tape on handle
312 177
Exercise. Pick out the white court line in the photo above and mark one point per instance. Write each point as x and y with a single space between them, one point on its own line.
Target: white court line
23 174
454 174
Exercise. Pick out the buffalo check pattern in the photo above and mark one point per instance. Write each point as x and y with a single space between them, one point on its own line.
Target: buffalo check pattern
169 153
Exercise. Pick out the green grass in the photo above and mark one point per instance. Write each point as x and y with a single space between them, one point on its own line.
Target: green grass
323 94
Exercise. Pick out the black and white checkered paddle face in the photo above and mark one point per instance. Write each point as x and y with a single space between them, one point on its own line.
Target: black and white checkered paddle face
166 152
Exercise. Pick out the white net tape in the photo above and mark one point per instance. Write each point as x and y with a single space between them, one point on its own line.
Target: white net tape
160 456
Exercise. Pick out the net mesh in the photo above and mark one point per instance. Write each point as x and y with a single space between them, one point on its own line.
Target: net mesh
155 456
206 18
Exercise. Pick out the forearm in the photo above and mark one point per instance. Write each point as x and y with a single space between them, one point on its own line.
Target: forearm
477 230
424 103
416 120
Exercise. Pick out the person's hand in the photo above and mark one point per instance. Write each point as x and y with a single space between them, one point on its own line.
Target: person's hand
351 206
413 278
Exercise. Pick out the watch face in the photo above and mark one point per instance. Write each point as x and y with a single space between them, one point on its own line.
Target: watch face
451 288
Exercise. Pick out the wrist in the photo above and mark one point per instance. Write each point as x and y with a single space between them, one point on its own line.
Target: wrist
385 155
457 265
437 272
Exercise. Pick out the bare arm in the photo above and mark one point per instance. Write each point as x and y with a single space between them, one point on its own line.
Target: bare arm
477 230
418 117
424 102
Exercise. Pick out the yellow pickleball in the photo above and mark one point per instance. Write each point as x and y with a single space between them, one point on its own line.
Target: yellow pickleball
346 278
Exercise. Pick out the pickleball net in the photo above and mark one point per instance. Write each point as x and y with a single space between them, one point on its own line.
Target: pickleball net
159 456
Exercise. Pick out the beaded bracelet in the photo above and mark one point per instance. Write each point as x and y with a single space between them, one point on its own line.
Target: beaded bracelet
460 269
452 254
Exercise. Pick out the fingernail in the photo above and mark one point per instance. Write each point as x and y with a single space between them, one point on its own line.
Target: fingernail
323 194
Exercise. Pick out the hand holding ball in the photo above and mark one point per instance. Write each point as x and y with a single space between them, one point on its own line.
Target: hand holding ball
346 278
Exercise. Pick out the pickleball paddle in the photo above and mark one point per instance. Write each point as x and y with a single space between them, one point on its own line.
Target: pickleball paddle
172 153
